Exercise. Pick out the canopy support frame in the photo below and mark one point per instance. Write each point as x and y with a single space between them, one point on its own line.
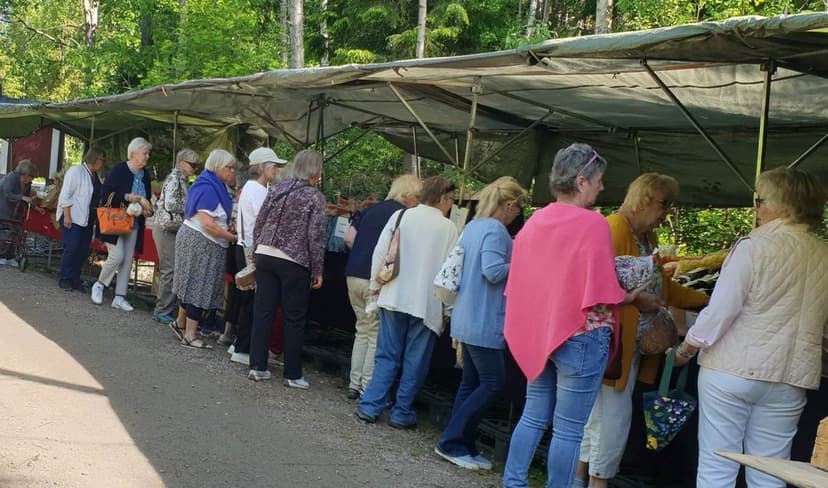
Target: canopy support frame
422 124
808 151
476 91
513 140
559 110
701 130
761 145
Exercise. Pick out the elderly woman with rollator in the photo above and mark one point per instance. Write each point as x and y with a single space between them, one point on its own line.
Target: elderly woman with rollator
560 322
763 335
411 316
16 187
201 244
127 182
76 214
632 228
289 250
477 318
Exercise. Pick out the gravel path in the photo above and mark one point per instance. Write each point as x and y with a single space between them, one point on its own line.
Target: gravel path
91 396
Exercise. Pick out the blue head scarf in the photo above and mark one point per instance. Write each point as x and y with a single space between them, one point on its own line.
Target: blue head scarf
206 193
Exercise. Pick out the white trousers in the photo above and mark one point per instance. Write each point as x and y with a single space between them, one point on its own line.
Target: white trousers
741 415
119 260
606 431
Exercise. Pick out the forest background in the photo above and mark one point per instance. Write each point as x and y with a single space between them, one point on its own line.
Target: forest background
58 50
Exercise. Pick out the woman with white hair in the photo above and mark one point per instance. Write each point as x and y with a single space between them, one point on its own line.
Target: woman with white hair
201 244
127 182
361 237
289 251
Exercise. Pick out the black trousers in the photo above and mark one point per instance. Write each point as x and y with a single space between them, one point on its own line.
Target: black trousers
285 283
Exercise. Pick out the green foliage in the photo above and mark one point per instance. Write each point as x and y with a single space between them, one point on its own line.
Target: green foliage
698 231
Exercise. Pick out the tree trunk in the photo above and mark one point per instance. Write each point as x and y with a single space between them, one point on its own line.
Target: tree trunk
421 28
90 13
603 16
297 32
530 18
284 47
323 31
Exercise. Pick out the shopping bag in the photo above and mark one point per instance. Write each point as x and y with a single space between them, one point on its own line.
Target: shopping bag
667 412
391 264
447 281
113 221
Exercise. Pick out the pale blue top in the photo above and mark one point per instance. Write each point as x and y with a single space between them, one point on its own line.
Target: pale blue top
477 318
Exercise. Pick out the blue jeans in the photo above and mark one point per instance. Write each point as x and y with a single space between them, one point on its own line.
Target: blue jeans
75 248
563 393
403 342
483 375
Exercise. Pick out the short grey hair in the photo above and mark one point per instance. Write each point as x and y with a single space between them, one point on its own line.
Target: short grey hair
306 164
136 145
187 155
26 167
576 160
218 159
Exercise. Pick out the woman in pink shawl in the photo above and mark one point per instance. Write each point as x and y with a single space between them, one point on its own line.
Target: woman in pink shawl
559 324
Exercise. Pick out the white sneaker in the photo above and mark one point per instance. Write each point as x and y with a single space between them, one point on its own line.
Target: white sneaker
300 383
120 303
240 357
97 293
231 349
257 375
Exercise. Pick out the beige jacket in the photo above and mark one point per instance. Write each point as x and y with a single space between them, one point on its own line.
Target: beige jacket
777 336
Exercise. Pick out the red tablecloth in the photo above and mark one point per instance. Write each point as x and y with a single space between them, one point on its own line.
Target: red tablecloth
39 221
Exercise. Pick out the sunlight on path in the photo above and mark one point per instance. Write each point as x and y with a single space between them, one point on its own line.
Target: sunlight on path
57 426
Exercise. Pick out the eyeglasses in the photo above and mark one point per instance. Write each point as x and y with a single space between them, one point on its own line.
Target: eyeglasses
595 156
758 201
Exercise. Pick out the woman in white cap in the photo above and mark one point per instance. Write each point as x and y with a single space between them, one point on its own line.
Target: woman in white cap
264 166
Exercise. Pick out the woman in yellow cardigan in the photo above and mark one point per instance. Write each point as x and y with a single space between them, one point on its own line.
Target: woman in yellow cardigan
645 205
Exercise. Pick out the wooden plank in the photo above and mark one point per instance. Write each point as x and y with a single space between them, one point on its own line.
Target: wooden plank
803 475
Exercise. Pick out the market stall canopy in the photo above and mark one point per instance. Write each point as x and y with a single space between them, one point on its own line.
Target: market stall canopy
615 91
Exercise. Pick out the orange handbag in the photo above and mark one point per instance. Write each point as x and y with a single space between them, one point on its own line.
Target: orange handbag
113 221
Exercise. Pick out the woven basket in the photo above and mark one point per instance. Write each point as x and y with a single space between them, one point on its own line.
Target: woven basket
659 336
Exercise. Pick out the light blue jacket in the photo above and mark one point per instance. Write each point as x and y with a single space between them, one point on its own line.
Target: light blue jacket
477 318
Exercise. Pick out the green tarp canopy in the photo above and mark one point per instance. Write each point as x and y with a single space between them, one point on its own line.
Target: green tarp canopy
603 89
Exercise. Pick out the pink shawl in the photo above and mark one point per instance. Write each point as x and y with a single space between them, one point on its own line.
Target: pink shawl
562 264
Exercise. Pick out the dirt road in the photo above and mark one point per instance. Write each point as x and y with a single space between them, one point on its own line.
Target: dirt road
94 397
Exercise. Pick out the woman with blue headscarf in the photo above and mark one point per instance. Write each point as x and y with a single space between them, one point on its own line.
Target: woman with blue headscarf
201 244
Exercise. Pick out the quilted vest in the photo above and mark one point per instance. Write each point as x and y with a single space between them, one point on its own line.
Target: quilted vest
778 335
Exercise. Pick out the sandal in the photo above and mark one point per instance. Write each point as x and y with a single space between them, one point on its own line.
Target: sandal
178 331
195 343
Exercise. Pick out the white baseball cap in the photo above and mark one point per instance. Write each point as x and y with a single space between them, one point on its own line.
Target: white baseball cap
265 155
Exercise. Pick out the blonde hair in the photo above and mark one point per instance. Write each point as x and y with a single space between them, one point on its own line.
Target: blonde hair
794 191
643 190
501 191
404 186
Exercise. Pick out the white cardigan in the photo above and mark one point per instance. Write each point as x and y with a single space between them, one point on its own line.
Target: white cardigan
426 237
76 193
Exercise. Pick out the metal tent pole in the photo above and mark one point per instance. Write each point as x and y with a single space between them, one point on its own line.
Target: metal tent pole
476 90
696 125
422 123
769 68
808 151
